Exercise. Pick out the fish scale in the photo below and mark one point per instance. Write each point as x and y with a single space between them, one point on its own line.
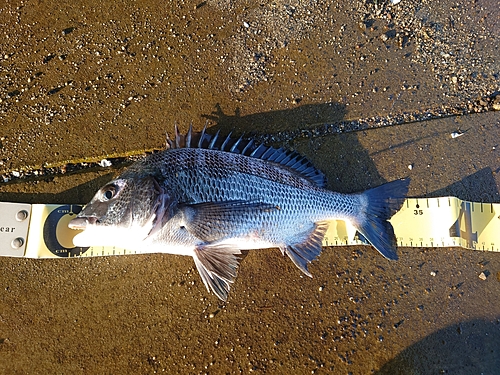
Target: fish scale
261 189
211 197
260 181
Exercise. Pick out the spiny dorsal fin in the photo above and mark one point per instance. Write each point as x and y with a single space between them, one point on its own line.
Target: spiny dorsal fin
248 147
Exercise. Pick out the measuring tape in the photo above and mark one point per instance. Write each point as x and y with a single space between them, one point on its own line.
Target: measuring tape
41 230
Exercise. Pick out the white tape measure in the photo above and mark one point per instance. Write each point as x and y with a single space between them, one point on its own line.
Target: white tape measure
41 230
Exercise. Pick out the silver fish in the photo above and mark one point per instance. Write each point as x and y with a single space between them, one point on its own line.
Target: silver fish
211 197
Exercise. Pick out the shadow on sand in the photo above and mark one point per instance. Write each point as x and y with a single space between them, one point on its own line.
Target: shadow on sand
466 348
345 162
302 117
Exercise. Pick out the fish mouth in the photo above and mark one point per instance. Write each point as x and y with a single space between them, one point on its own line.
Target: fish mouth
81 223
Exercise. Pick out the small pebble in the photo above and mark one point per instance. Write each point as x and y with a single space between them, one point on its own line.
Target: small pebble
105 163
482 276
456 134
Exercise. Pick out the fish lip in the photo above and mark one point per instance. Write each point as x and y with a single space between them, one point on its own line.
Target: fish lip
81 223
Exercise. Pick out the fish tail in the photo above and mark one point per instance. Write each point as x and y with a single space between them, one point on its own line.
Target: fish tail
380 204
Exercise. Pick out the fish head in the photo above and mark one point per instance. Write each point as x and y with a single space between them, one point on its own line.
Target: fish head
122 213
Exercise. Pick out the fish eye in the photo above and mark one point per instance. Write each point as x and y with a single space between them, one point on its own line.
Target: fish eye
108 192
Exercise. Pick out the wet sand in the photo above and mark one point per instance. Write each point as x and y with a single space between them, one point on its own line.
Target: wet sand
82 81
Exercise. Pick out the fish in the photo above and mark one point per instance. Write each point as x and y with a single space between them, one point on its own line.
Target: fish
212 196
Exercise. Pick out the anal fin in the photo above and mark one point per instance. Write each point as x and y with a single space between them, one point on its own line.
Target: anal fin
217 267
305 252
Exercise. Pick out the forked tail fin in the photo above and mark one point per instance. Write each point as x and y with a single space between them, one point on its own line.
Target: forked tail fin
381 203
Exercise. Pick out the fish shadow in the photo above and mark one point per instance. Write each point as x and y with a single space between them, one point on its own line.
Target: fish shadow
479 187
466 348
299 118
346 164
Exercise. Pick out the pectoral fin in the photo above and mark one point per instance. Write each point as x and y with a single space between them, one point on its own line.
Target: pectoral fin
213 221
217 267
